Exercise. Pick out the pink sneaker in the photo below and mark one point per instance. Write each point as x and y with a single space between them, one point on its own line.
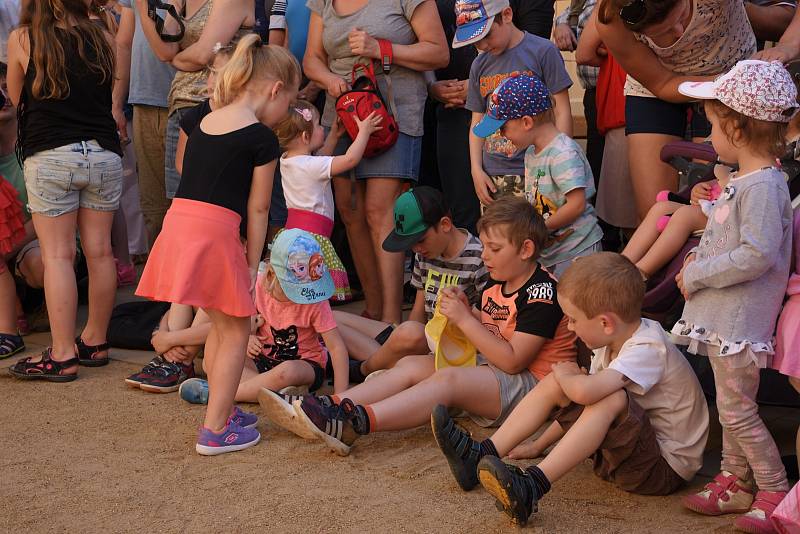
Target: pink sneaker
662 196
757 520
726 494
126 274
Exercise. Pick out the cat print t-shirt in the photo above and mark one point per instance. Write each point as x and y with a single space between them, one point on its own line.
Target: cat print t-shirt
291 331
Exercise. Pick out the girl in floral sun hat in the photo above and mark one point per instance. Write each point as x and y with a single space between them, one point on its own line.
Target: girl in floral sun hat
734 283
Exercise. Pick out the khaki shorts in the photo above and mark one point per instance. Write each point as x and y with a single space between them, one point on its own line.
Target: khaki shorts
629 456
80 175
513 389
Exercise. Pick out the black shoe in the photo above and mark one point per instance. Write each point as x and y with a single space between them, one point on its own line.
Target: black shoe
356 376
167 377
462 452
512 487
338 426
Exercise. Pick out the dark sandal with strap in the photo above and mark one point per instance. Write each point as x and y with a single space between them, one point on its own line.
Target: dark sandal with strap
10 345
46 369
87 354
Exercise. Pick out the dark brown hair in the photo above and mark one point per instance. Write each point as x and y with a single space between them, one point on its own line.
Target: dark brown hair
41 17
763 137
604 282
657 11
517 220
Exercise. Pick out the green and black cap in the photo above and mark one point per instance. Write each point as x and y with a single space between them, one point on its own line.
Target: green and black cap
415 211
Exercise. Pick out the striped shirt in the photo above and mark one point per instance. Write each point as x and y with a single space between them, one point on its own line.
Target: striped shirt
466 271
550 174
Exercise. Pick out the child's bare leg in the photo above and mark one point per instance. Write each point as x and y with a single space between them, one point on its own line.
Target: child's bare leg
8 303
290 373
683 222
647 233
529 415
585 435
359 334
226 372
407 338
474 389
179 316
410 371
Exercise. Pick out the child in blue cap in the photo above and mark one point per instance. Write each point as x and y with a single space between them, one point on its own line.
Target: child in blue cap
291 297
558 179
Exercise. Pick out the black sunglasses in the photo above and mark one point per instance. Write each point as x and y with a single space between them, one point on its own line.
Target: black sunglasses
633 12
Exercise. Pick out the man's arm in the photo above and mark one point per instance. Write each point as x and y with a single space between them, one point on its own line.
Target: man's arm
124 43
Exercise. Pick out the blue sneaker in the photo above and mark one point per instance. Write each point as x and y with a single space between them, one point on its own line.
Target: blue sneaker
243 419
232 438
194 390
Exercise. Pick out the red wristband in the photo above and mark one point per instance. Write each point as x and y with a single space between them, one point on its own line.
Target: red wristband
387 55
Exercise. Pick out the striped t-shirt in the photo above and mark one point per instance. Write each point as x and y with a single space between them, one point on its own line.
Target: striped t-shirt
550 174
466 271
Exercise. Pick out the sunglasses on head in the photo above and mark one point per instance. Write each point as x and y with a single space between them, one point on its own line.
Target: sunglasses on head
633 12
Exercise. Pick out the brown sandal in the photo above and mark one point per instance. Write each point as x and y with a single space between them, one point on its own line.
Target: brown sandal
45 369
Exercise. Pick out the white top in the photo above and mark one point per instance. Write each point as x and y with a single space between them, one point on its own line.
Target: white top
663 384
307 183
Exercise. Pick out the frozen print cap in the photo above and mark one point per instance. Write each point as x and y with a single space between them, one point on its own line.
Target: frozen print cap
474 19
757 89
519 95
299 265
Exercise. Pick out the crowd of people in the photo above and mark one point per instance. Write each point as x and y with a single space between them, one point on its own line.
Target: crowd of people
223 141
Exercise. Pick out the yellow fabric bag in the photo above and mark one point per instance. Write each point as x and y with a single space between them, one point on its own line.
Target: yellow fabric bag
450 346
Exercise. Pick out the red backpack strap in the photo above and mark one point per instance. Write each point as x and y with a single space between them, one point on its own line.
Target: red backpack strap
387 57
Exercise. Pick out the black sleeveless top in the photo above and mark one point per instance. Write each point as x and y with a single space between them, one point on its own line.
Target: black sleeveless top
85 113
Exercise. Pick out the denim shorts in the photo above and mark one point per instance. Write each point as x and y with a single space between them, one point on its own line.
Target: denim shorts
401 161
79 175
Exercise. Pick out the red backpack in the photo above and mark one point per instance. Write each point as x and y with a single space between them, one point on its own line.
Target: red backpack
363 99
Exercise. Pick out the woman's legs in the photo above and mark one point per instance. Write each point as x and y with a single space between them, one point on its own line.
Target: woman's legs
682 224
226 370
57 241
358 236
648 173
95 229
380 196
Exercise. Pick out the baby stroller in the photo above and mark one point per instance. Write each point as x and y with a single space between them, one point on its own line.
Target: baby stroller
663 301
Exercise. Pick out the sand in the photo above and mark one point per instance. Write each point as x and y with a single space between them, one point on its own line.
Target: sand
96 456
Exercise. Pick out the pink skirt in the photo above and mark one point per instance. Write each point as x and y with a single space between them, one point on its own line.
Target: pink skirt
787 345
198 260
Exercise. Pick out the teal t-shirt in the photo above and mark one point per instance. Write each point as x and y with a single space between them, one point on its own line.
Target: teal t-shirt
550 174
12 172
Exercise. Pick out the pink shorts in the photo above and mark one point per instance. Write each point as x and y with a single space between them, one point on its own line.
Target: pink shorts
787 346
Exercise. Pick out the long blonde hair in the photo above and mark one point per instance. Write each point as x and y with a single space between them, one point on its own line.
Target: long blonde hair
254 61
41 17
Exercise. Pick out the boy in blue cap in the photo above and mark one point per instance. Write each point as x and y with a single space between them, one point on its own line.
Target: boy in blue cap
496 164
558 179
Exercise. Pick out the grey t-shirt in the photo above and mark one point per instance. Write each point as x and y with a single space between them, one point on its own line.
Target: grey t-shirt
382 19
150 78
532 55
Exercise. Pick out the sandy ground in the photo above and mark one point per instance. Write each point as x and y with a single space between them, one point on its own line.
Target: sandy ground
96 456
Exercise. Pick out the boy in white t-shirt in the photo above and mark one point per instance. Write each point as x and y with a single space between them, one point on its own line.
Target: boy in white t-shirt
639 413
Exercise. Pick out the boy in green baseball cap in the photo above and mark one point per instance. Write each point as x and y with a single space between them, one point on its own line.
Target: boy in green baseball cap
443 256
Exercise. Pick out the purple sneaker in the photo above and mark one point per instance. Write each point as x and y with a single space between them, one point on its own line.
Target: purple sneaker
243 419
232 438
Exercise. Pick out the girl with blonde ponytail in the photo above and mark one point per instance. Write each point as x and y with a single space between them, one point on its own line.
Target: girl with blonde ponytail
198 258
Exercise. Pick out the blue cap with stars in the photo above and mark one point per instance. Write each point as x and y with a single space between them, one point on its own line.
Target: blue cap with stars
520 95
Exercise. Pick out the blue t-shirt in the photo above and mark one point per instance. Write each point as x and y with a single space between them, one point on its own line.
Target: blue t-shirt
150 77
550 174
292 16
532 55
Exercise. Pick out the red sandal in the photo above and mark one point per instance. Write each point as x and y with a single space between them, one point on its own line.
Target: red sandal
45 369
